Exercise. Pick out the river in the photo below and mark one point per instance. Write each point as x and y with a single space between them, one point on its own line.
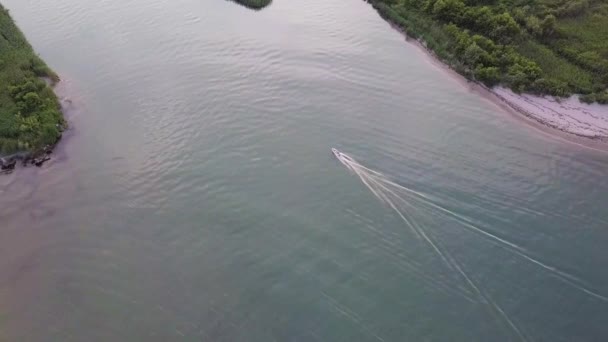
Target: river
195 196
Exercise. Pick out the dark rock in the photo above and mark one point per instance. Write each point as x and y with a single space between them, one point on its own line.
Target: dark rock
47 149
8 164
39 161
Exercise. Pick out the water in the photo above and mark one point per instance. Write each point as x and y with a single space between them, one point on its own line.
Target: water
196 196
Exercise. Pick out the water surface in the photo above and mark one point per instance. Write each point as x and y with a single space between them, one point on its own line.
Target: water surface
196 197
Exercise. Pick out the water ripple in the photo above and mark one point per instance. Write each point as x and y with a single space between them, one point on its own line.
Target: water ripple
197 197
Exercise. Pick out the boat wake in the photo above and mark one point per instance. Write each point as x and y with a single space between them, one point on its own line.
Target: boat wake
405 201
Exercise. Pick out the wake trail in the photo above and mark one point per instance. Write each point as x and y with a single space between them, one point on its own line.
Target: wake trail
423 235
381 178
452 264
412 224
406 266
414 227
465 221
444 256
513 248
351 315
521 252
380 189
390 203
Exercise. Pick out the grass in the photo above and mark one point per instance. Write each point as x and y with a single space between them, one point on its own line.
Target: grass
587 33
30 116
555 67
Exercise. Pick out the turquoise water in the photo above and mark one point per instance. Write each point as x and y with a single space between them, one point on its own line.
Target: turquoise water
196 198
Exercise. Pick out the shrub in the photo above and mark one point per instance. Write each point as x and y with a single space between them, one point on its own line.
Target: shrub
448 10
602 97
484 43
30 103
473 55
572 8
552 87
480 19
490 76
547 26
533 26
505 28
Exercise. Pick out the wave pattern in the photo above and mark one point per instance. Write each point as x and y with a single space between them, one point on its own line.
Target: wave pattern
194 197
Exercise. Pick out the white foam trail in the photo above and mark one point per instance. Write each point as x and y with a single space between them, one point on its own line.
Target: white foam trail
421 233
422 197
413 226
380 180
350 314
386 200
517 249
465 221
407 266
568 278
453 265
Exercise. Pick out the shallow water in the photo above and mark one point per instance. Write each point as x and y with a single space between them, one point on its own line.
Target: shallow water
196 196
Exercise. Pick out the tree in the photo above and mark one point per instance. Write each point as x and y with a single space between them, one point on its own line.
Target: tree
602 97
448 10
490 76
547 86
505 56
505 28
30 103
533 26
29 124
519 15
480 19
461 39
427 6
473 54
547 26
484 43
480 2
573 8
49 134
523 73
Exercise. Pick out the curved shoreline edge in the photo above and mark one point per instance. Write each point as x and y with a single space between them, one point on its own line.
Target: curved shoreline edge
52 84
32 116
567 118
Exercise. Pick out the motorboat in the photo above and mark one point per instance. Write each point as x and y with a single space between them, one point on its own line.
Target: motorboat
335 152
341 156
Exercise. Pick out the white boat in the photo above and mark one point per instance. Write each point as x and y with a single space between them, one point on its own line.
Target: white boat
341 156
335 152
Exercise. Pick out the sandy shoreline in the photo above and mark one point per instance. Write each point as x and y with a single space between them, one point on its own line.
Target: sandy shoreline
565 118
568 115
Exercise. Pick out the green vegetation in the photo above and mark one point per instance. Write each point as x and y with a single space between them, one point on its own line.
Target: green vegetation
254 4
30 115
548 47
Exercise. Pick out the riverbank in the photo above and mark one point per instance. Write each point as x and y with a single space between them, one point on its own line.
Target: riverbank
574 120
31 121
528 50
568 115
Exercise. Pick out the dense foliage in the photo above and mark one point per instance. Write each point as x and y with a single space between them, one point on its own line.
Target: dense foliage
555 47
30 116
254 4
